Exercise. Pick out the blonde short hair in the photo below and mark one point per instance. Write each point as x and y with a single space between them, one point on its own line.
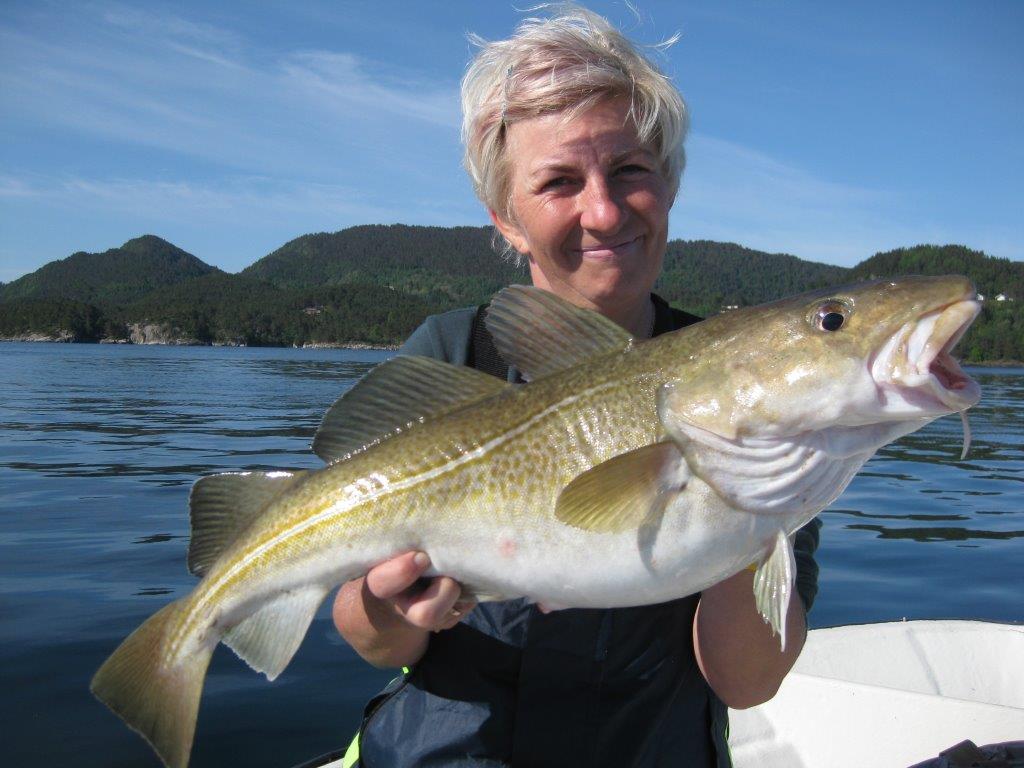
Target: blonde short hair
565 63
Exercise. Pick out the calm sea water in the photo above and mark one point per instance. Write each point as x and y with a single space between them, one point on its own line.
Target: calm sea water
98 448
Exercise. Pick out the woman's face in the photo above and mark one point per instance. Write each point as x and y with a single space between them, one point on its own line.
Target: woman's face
589 207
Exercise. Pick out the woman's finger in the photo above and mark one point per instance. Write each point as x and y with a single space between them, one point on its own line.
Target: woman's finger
456 614
395 576
431 608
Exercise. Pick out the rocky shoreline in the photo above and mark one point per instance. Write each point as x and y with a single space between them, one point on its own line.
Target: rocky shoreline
65 337
149 333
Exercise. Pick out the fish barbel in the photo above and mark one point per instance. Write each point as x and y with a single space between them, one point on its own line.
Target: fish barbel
624 473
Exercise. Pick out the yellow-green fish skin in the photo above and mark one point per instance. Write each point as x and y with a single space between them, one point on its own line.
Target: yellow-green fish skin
478 489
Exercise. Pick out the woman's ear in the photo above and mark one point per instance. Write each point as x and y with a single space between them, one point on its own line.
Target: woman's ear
510 232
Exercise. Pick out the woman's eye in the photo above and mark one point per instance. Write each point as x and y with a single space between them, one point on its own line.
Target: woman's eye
632 170
558 181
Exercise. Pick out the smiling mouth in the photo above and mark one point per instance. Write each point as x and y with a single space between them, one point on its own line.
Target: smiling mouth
597 250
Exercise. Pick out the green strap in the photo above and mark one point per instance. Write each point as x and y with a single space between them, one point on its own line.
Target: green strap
352 753
351 758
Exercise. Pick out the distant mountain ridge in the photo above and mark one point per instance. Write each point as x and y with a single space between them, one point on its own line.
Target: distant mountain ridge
373 284
991 275
704 276
457 260
118 275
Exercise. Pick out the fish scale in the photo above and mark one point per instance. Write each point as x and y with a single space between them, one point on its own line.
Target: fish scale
631 473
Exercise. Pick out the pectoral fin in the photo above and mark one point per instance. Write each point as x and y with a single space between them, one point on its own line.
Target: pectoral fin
625 492
773 585
268 638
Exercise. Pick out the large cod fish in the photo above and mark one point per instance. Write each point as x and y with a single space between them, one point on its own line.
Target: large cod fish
624 473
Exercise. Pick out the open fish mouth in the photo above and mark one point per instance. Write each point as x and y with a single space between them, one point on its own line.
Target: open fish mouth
917 366
954 388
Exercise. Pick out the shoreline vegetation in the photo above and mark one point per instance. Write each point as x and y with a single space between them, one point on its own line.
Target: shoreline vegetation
368 287
65 339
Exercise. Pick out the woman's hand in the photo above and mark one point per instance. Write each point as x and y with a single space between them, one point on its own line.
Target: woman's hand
387 616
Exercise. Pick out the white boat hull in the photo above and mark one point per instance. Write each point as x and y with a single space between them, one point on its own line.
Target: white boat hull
888 696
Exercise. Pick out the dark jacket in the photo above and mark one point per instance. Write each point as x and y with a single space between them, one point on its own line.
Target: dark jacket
510 685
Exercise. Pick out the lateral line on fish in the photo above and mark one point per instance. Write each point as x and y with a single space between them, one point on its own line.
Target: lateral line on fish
241 566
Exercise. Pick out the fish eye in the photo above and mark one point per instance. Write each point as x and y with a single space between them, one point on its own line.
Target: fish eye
831 316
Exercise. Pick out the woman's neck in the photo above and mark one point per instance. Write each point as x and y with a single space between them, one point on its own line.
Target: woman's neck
637 319
634 313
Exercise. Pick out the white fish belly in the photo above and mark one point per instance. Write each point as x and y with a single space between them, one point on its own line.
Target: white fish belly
699 542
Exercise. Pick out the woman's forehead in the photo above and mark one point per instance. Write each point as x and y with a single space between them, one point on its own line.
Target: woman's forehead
571 156
605 135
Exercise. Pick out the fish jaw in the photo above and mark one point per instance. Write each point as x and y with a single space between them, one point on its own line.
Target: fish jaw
915 372
776 371
793 427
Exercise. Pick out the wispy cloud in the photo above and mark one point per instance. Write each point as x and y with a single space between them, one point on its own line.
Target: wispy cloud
158 24
216 202
731 192
158 80
235 220
13 187
221 200
238 146
207 56
343 81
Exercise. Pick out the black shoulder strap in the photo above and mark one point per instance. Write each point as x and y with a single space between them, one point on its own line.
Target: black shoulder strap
483 355
668 318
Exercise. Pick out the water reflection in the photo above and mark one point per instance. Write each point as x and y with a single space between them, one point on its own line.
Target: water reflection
156 538
879 516
934 534
316 369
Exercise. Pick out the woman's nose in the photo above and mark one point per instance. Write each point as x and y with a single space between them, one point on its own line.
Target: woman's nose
601 211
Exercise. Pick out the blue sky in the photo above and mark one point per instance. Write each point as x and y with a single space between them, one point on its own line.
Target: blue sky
826 130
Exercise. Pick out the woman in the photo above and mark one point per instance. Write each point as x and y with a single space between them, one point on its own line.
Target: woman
574 143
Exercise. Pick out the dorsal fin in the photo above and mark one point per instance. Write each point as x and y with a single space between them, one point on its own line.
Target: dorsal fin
222 506
397 392
539 333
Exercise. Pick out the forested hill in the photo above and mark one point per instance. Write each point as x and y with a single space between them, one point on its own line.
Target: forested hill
998 333
119 275
704 276
236 309
456 264
992 276
374 284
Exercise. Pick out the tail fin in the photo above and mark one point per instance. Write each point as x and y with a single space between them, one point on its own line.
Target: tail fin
157 700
